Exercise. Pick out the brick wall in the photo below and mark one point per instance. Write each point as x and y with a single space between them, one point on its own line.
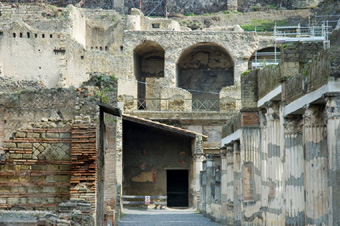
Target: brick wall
36 172
250 119
83 158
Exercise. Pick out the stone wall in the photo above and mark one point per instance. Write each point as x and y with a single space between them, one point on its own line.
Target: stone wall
35 170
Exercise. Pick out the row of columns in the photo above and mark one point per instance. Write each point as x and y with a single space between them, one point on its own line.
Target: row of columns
285 171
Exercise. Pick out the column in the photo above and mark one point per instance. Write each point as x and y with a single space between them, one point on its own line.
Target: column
316 166
294 172
274 215
209 189
333 142
238 189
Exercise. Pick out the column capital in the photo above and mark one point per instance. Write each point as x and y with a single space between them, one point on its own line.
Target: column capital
293 124
313 115
273 110
332 105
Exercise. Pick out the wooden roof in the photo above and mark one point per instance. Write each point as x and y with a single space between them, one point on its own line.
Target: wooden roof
162 126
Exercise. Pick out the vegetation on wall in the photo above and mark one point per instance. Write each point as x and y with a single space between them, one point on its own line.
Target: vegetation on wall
262 25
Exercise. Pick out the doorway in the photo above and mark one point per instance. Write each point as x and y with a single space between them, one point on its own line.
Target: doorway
177 188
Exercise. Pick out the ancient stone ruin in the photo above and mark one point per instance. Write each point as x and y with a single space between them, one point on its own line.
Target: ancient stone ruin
102 105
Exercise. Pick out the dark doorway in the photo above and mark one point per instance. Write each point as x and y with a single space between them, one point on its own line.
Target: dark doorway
177 188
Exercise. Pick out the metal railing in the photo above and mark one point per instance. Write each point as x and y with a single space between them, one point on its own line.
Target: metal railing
132 200
168 104
311 33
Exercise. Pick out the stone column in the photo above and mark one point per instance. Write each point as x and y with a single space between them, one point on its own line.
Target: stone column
316 166
333 141
264 156
224 183
275 167
203 185
238 188
119 161
198 159
294 172
209 190
230 185
241 66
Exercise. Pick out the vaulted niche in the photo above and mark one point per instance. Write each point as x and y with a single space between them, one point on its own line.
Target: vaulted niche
148 62
263 57
203 70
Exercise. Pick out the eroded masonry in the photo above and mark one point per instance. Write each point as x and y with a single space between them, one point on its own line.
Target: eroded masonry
198 128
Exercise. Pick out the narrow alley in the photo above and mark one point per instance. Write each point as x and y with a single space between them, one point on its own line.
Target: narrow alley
152 217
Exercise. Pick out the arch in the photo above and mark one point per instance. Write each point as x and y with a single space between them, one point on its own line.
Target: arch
264 56
148 62
204 69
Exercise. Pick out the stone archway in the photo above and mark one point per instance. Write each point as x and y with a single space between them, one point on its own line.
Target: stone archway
204 69
264 56
148 62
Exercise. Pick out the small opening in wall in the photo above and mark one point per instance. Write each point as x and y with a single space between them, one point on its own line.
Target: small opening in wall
20 35
35 35
39 67
51 36
82 57
106 48
96 47
43 35
156 25
28 35
14 35
121 48
91 47
101 48
1 33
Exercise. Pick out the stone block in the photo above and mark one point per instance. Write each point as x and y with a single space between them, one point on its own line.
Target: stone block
62 178
50 178
49 189
24 145
15 156
27 156
13 200
65 135
9 145
33 200
52 167
33 135
3 201
65 167
23 200
24 178
52 135
39 167
20 135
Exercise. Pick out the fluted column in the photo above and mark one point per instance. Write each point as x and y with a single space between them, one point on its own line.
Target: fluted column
333 141
238 188
294 172
316 166
274 215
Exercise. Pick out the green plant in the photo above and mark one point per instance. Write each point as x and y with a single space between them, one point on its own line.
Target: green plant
245 72
256 8
107 86
190 14
262 25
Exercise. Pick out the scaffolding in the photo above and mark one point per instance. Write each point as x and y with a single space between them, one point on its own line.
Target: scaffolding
311 33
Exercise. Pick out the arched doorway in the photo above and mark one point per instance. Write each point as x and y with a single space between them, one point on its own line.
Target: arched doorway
265 56
204 69
148 62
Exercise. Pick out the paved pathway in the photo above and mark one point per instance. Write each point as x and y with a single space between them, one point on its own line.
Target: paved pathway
152 217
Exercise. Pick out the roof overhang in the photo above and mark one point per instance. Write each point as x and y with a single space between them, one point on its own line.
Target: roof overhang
162 126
